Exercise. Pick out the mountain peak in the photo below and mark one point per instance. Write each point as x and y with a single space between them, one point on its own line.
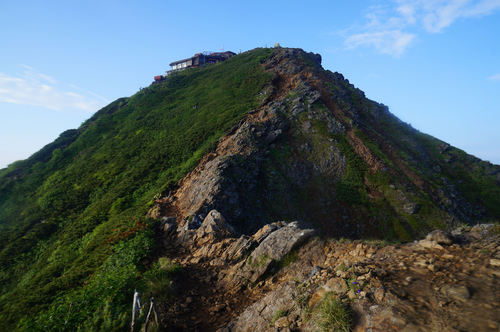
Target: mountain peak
316 149
229 172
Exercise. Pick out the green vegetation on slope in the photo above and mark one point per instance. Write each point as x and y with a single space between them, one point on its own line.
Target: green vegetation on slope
72 216
424 184
446 168
332 315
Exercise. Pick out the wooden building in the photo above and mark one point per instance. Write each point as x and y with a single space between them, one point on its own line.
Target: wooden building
200 59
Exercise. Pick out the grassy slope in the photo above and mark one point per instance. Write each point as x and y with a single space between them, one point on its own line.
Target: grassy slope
448 184
72 215
421 186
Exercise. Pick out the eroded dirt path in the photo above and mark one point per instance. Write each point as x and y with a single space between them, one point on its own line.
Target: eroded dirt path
202 301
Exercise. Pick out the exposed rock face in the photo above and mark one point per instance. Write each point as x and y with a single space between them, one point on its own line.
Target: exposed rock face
259 315
272 249
316 150
229 263
214 227
241 283
392 288
238 180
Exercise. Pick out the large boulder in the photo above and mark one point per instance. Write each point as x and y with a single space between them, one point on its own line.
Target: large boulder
440 237
274 248
201 231
213 228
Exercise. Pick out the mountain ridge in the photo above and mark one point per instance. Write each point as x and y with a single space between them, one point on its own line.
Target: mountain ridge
378 154
266 136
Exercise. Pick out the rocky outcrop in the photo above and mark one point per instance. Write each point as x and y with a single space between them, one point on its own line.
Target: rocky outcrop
278 279
316 150
274 246
238 178
387 288
241 181
213 228
229 265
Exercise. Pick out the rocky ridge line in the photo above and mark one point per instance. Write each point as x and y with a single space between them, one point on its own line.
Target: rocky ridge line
217 226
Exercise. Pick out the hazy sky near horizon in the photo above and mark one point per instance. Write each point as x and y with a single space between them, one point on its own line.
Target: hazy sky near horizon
435 63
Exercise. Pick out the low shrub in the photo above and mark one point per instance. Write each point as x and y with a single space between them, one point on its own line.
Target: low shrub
157 279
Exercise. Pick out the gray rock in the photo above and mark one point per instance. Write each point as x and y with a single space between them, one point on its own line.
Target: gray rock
336 285
214 226
281 322
186 233
381 318
480 228
440 237
274 247
315 270
480 231
193 222
257 316
429 244
262 233
239 249
457 292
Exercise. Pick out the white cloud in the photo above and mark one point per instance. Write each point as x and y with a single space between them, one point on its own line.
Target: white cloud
439 14
37 89
392 27
392 42
495 77
30 73
407 12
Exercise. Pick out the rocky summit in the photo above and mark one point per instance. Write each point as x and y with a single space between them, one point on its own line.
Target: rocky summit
262 193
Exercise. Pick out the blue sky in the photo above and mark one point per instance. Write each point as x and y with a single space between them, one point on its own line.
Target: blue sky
435 63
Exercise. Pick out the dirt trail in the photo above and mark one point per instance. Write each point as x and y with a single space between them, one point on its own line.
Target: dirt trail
203 302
